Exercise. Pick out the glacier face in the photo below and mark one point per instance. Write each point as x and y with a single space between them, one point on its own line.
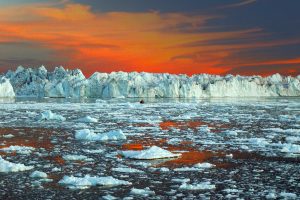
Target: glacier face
39 82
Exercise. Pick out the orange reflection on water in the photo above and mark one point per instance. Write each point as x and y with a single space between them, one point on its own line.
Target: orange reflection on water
57 159
182 125
33 137
192 124
132 146
189 158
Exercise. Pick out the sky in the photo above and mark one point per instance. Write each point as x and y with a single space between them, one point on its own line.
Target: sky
247 37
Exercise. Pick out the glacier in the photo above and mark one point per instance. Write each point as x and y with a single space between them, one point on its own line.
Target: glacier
63 83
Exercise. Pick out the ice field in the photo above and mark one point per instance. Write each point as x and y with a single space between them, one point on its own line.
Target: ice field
211 148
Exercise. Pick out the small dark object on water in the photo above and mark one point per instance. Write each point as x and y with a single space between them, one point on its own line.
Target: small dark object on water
142 101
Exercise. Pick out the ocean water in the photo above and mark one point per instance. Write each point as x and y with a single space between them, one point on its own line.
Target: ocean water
253 145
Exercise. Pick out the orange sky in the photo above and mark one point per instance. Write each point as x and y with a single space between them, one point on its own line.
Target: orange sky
77 37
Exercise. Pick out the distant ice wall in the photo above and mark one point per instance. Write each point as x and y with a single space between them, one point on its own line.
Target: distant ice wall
72 83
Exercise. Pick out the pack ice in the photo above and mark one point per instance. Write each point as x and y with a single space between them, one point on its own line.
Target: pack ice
39 82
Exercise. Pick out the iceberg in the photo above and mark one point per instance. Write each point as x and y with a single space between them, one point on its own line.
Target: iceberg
39 82
199 186
153 152
38 174
6 89
49 115
6 166
18 149
142 192
88 181
86 134
87 119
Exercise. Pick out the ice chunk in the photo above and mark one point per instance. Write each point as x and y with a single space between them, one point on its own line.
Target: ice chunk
87 119
204 165
38 174
271 195
127 170
49 115
109 197
8 136
288 195
290 148
18 149
199 186
153 152
142 192
88 181
6 166
93 151
196 167
6 89
86 134
77 157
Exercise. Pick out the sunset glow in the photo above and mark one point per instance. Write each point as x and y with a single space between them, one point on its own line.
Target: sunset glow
79 34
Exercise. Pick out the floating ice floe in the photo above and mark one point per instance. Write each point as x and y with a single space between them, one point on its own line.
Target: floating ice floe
196 167
292 139
18 149
86 134
88 181
127 170
109 197
230 133
49 115
77 157
6 166
142 192
8 136
288 195
93 151
200 186
38 174
153 152
88 119
290 148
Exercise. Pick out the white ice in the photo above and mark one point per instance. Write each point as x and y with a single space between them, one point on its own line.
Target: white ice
72 83
49 115
88 181
126 170
153 152
198 186
38 174
86 134
87 119
142 192
6 166
18 149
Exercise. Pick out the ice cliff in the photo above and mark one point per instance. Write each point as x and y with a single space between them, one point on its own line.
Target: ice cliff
72 83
